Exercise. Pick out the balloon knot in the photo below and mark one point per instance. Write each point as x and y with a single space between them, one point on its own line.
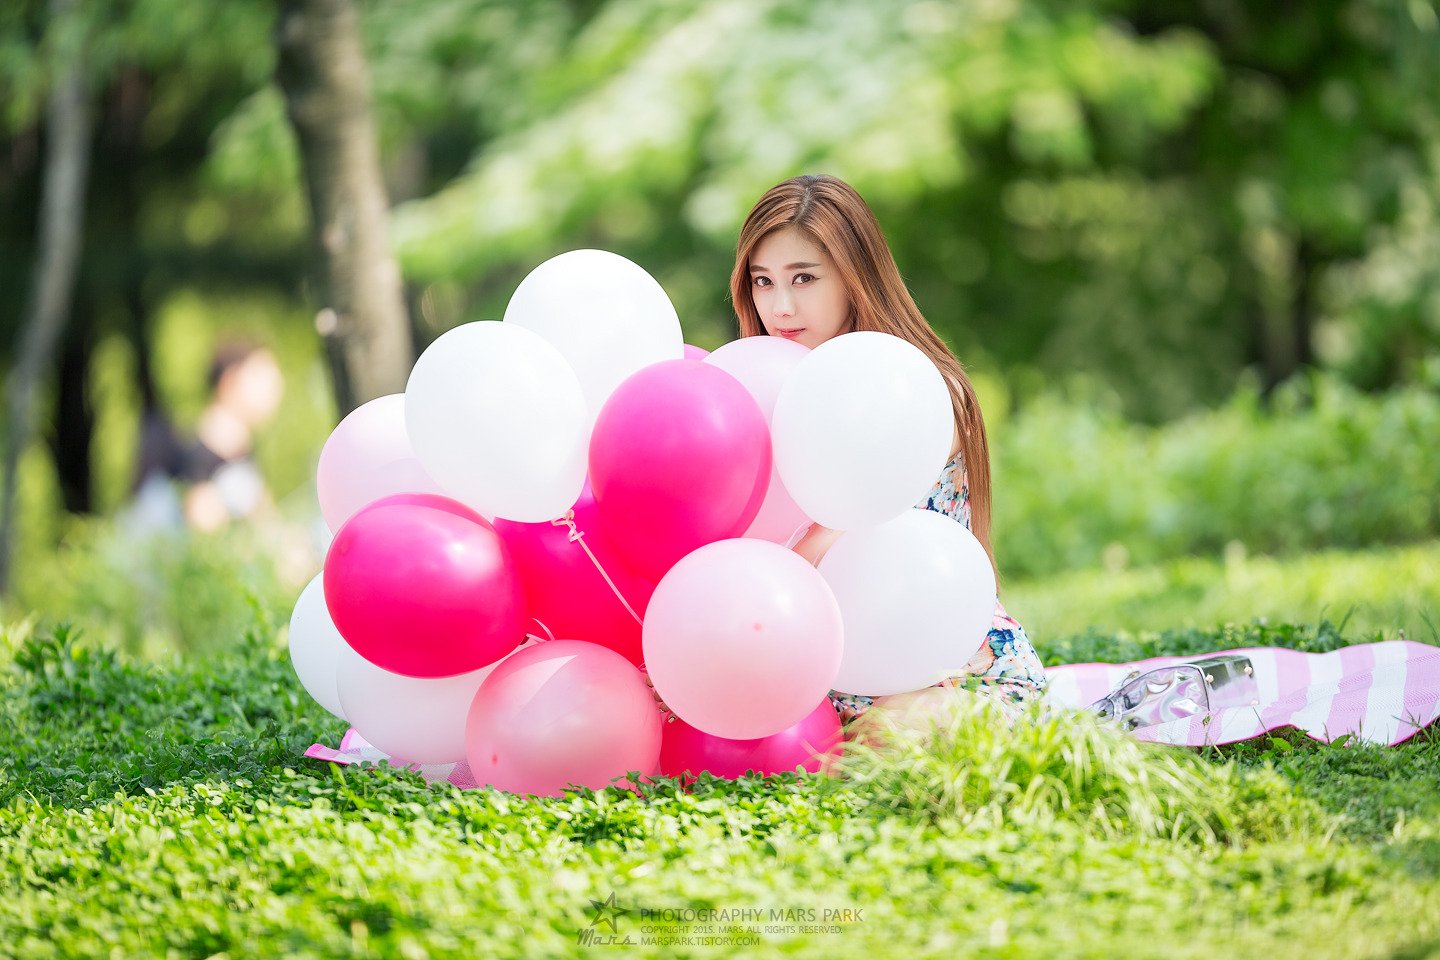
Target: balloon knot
664 708
568 521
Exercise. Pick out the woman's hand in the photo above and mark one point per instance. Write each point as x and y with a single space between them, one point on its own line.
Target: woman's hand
917 715
816 542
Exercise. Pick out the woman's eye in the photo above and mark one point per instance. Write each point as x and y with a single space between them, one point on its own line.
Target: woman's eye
762 281
803 278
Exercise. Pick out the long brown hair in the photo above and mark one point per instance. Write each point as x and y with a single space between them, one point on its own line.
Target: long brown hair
833 216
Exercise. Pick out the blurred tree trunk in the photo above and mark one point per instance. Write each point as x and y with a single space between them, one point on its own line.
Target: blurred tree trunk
62 212
362 319
129 107
74 413
1283 340
1307 267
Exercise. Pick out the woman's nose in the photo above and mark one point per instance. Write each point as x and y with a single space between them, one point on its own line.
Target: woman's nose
782 304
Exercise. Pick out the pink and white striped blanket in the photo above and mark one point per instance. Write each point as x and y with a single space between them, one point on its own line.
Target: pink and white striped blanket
1380 692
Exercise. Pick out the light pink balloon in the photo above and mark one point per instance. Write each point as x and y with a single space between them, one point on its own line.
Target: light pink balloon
693 352
368 456
562 712
761 364
742 638
780 517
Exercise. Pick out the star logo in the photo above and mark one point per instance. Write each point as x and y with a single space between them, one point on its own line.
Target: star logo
607 912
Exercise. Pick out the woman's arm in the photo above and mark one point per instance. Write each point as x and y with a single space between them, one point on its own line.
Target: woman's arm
816 542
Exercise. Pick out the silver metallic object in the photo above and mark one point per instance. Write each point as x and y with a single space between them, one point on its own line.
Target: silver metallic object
1180 690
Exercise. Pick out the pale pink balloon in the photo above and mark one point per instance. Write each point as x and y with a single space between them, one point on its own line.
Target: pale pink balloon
761 364
693 352
780 517
562 712
368 456
742 638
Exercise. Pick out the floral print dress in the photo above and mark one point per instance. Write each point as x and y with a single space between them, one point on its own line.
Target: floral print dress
1005 665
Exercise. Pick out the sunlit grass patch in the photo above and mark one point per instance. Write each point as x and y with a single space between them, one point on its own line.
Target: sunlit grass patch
1380 592
984 770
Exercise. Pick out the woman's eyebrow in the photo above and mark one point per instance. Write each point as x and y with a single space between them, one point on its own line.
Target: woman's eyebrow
754 268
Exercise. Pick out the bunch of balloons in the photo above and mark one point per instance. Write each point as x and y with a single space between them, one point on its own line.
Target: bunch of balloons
568 506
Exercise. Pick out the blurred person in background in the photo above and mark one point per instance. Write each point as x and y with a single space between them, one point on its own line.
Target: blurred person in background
207 483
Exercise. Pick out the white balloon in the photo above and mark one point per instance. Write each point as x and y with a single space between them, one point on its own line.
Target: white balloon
917 595
415 719
604 313
762 365
862 428
497 417
315 646
368 456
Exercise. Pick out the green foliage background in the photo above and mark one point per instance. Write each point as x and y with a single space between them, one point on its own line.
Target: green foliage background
1188 252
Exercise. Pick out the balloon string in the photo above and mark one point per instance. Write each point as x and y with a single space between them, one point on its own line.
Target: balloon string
578 536
549 634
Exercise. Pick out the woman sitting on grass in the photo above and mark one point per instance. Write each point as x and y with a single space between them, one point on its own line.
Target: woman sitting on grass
811 263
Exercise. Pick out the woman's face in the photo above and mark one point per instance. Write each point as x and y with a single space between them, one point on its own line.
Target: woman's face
796 289
253 387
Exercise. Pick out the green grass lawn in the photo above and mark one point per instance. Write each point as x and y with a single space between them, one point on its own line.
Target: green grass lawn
164 809
1387 591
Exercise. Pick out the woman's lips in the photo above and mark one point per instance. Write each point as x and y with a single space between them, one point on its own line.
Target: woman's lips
790 334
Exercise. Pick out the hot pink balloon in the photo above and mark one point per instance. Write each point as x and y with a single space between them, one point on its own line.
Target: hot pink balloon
693 352
423 586
562 712
563 589
367 457
680 457
809 744
743 638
